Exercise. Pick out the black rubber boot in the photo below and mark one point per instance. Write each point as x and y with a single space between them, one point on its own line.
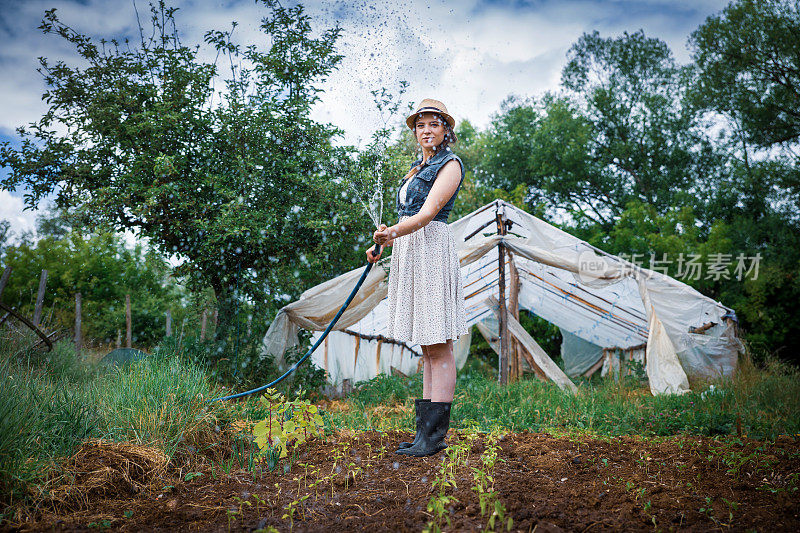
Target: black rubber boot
435 421
417 419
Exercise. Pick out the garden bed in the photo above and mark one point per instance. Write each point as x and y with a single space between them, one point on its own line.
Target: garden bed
543 482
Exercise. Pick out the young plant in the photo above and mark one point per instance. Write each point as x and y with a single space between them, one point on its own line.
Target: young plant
289 424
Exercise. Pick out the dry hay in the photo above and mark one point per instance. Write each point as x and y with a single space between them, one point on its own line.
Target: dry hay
388 410
335 406
106 468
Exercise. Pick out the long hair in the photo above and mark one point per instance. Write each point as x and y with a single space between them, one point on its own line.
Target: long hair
449 137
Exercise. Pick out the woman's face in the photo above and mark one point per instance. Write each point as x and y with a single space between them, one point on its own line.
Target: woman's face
429 131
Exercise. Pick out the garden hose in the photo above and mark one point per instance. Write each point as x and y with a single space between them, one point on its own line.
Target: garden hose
375 252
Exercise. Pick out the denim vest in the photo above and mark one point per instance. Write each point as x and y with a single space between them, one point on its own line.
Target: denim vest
421 184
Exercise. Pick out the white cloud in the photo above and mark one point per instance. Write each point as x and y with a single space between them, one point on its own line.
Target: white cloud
468 54
11 209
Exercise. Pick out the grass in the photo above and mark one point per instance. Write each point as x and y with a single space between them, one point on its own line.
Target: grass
51 403
159 401
763 403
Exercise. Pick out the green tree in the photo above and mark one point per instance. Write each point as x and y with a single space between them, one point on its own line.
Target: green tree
103 270
748 69
746 78
647 142
238 187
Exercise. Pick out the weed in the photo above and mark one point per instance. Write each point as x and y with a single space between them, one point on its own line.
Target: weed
291 509
708 508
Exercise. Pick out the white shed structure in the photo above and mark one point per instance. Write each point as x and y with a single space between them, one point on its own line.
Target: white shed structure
608 309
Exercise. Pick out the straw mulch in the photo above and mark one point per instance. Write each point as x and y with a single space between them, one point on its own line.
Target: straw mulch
103 468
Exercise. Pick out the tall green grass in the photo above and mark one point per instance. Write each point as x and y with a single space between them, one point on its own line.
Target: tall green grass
51 402
160 400
763 403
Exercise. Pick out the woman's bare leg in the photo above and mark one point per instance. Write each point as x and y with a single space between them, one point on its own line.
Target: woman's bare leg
426 374
443 371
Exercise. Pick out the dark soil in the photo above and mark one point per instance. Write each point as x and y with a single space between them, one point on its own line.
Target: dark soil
546 484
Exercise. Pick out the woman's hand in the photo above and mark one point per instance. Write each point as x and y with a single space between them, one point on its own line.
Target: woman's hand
373 258
382 236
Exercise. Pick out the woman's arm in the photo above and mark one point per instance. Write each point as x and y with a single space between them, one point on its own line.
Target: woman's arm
443 188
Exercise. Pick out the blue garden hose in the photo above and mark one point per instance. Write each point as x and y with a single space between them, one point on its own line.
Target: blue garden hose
375 252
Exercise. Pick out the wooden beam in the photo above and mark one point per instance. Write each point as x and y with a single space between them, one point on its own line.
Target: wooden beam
503 312
540 357
396 372
168 325
355 359
378 357
595 367
513 309
380 338
702 328
37 311
203 320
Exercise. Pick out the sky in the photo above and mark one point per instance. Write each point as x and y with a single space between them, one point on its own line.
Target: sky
469 54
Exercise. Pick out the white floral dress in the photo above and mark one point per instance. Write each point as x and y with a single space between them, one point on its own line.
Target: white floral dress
426 293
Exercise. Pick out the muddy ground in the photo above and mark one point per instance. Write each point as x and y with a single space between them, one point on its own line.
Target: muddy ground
545 484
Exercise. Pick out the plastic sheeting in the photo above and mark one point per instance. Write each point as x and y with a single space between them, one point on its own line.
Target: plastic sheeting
595 296
367 361
579 355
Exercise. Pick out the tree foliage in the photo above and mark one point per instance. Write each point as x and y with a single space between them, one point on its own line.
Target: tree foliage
235 183
103 270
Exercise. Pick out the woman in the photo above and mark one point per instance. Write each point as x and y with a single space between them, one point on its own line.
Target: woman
426 295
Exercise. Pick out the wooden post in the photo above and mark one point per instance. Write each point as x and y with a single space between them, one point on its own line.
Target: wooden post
119 339
503 319
4 279
203 319
128 334
37 311
78 339
168 326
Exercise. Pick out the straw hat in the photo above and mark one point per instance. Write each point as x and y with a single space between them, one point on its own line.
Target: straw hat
430 105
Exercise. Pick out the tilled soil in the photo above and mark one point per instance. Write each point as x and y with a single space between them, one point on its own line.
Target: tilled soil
544 483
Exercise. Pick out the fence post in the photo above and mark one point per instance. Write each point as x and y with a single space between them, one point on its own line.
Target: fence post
169 323
503 325
128 321
78 339
37 311
4 279
203 319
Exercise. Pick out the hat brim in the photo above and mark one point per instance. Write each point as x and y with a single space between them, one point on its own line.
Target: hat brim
413 117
